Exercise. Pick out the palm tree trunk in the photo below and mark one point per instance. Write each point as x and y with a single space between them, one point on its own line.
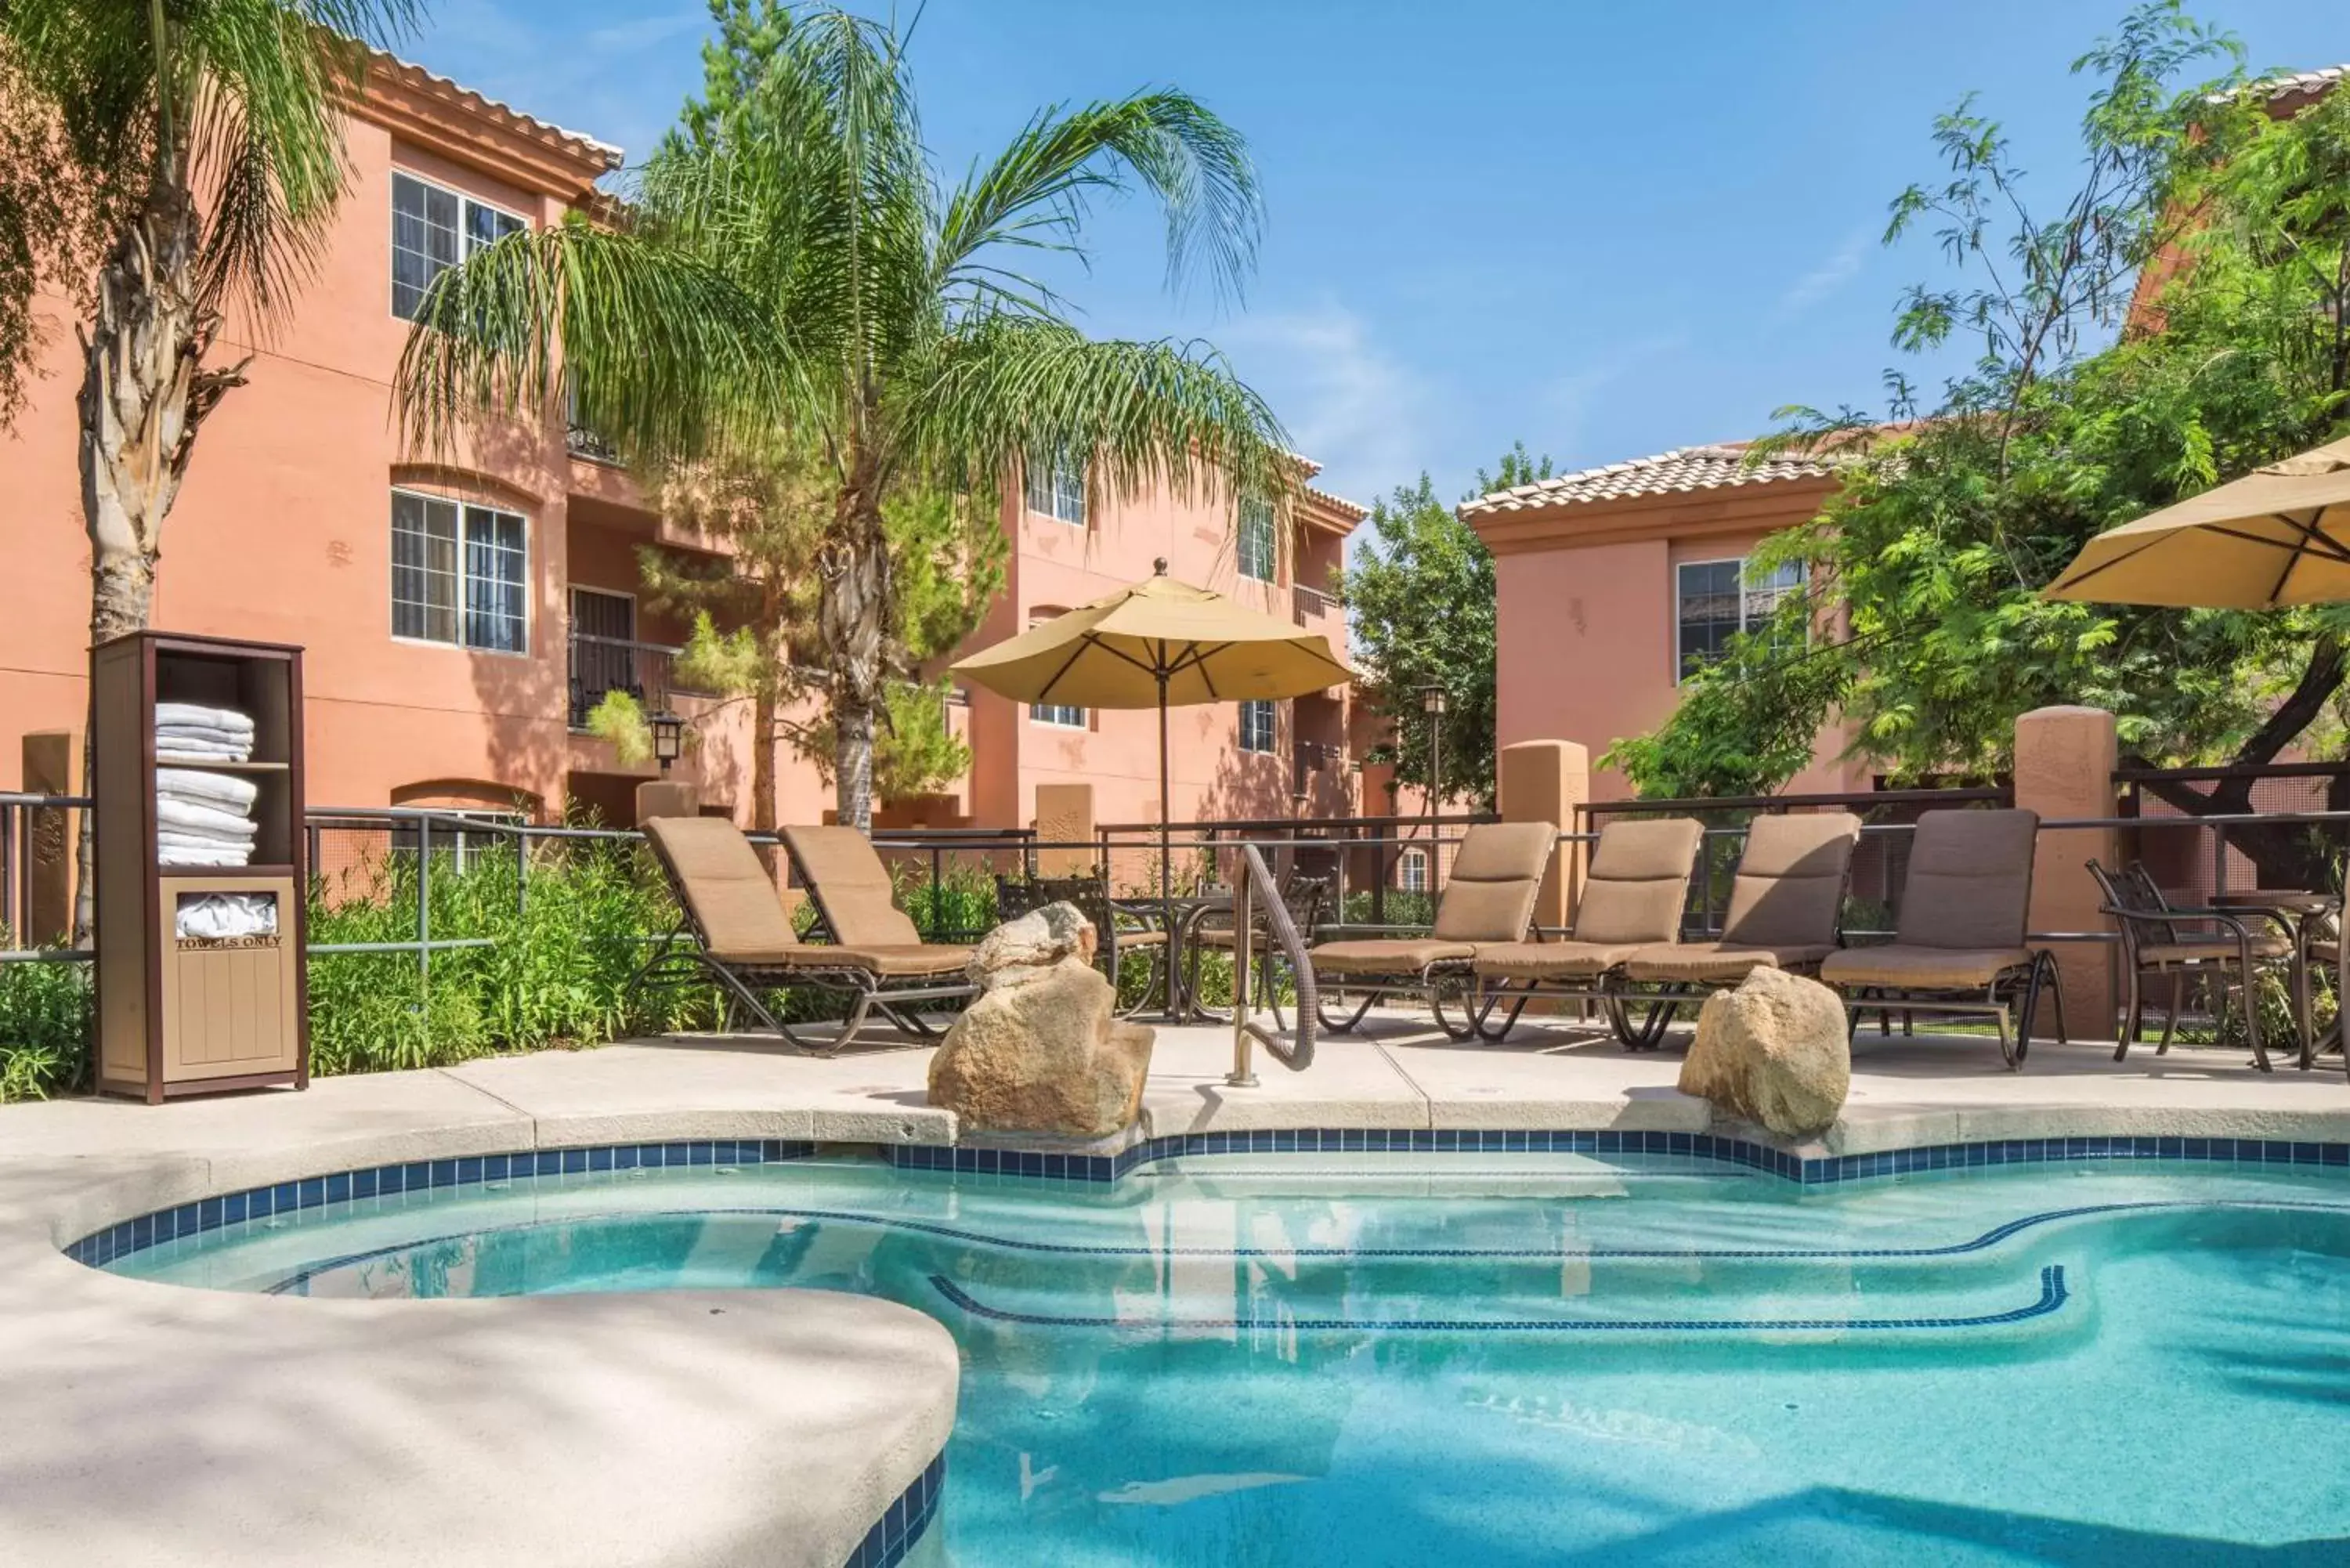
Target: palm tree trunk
853 617
762 762
144 392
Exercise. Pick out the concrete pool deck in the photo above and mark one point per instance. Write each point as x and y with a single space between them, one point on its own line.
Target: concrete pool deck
158 1424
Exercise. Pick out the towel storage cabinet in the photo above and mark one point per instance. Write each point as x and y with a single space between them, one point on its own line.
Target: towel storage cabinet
185 1007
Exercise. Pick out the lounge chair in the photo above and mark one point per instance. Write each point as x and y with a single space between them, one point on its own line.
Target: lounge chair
1959 949
1786 905
1632 900
1488 900
2218 945
744 940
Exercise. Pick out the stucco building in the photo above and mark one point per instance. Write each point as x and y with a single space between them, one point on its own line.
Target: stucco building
1613 582
462 614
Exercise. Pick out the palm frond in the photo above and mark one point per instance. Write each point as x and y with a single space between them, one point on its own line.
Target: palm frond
1137 416
666 356
1035 194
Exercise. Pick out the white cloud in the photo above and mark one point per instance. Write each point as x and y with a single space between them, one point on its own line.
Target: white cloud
1824 280
1348 402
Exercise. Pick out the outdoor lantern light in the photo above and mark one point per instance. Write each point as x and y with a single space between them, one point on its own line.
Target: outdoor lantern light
668 737
1431 700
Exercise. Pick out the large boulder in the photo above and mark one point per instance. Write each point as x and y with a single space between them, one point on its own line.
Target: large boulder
1041 1050
1775 1051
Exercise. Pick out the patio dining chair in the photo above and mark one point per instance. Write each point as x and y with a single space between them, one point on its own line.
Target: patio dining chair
1303 897
2187 947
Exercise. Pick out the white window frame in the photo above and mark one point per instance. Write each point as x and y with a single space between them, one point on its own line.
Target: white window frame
1258 514
1271 727
1057 716
1411 871
465 246
529 578
1680 670
1062 489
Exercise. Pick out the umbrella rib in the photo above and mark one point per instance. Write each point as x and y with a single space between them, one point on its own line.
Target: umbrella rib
2131 554
1075 654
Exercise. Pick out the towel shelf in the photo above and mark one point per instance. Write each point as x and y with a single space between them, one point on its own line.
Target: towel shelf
181 1014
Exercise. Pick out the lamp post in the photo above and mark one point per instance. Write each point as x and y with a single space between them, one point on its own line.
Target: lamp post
668 737
1431 702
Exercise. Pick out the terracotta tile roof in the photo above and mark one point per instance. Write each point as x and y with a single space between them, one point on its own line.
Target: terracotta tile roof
2316 81
1349 509
585 147
1681 470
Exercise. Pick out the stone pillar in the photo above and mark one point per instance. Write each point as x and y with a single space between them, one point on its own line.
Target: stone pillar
1544 781
2065 760
52 765
665 797
1065 814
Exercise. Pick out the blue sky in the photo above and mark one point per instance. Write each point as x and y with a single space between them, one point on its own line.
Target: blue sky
1604 228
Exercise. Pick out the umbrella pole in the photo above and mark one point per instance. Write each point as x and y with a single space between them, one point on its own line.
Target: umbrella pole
1166 858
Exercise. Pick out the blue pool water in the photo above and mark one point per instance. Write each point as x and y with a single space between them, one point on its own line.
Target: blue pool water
1508 1360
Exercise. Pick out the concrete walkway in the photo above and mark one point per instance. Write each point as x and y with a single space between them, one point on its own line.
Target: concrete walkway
158 1424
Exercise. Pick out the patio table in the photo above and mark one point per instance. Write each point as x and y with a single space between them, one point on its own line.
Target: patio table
1184 913
2304 913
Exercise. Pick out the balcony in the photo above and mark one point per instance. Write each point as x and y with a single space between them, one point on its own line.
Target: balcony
645 671
1311 606
585 444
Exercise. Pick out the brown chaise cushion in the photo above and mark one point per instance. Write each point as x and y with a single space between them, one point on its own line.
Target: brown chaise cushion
1904 967
1638 882
1714 962
1789 886
1969 879
1490 895
900 962
718 878
851 885
1550 960
1404 956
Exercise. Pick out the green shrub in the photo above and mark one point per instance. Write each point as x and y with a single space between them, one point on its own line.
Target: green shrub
44 1026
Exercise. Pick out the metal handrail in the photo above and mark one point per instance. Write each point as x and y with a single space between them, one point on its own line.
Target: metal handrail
1256 883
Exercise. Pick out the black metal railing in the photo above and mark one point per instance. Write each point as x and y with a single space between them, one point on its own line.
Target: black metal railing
600 665
581 441
1310 604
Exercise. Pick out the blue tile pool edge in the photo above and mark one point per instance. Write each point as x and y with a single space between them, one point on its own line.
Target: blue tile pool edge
199 1216
904 1522
1809 1172
100 1248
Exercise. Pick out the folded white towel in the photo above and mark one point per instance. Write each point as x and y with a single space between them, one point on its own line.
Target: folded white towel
195 716
219 790
178 838
179 748
185 816
212 855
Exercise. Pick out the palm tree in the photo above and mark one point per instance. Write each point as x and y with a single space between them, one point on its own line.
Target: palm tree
166 162
190 151
787 258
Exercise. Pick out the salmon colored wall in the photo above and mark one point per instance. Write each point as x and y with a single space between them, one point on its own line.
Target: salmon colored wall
1585 647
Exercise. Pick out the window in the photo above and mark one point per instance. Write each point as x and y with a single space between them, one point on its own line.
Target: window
1258 557
431 231
459 575
1055 490
1411 871
454 843
1256 726
1718 600
1057 713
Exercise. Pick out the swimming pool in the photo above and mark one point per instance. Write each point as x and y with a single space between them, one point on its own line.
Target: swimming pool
1507 1360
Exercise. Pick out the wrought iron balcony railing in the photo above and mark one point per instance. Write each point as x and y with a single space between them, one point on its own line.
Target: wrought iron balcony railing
645 671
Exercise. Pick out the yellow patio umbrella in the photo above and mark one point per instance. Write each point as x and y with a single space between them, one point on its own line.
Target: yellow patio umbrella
2278 536
1158 643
